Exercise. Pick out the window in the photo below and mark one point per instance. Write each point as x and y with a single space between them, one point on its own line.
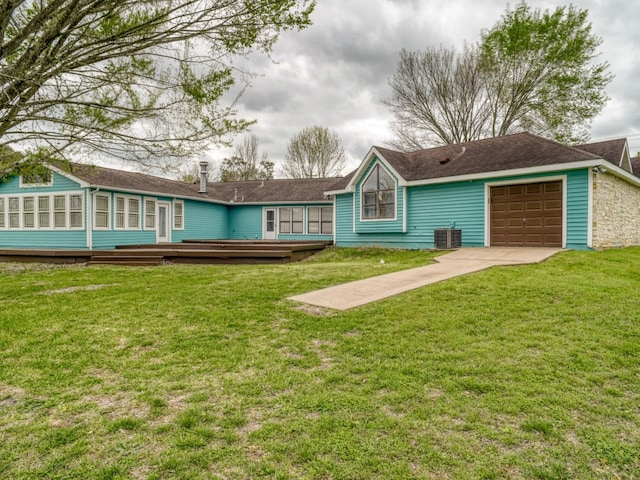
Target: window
60 211
320 220
133 217
378 195
127 213
28 214
44 212
150 214
36 177
291 220
14 212
75 211
178 215
119 212
101 219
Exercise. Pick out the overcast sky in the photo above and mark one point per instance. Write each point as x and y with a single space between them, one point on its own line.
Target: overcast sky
335 73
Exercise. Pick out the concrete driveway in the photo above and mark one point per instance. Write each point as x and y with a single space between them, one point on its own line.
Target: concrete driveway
459 262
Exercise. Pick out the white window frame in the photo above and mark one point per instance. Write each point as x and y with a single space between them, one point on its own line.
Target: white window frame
79 211
150 213
95 210
3 218
178 225
320 222
127 224
13 213
57 211
24 184
48 212
395 197
28 216
20 214
290 222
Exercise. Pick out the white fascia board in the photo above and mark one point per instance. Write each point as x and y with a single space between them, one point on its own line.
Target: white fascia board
278 204
59 171
351 186
513 173
621 173
626 157
338 192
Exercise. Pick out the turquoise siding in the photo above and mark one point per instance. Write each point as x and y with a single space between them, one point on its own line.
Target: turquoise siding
60 184
45 238
379 226
110 238
305 235
62 239
458 205
578 208
245 222
203 221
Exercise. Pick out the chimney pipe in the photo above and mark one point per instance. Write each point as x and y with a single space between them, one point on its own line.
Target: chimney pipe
204 166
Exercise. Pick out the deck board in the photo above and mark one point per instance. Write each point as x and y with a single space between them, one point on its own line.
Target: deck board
192 251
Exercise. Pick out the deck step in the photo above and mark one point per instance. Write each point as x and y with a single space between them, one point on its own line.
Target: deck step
129 260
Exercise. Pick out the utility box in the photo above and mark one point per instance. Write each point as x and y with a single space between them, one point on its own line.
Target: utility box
447 238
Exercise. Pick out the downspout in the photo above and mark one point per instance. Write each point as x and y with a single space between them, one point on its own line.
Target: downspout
90 216
335 224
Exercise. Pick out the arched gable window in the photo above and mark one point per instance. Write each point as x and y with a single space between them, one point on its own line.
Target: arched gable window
378 195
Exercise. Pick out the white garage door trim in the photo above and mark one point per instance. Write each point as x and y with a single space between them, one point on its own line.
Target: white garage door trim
523 181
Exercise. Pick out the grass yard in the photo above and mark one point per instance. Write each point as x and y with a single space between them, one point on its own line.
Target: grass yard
209 372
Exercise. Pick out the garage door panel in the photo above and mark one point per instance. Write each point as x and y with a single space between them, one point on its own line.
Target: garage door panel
535 205
534 188
513 223
514 207
535 222
553 187
539 203
553 204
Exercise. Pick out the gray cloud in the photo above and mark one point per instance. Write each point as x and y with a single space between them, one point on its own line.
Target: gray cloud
335 73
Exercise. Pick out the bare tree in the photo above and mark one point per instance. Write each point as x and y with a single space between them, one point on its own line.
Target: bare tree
137 79
438 98
532 71
246 164
314 152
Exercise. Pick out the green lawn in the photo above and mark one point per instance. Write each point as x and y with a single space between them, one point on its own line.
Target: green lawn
209 372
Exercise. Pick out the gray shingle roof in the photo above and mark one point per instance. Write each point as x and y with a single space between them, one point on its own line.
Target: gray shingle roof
610 150
510 152
269 191
521 150
635 164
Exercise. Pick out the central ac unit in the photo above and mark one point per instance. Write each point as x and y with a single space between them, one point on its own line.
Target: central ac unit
447 238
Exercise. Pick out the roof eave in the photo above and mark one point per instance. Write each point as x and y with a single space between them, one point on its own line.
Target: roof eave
363 166
514 172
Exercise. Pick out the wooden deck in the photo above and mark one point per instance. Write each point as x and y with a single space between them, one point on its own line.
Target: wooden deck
190 251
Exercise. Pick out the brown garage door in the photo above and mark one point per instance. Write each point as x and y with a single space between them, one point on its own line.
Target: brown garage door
527 215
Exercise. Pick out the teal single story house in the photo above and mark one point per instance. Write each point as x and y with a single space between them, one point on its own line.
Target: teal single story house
88 207
516 190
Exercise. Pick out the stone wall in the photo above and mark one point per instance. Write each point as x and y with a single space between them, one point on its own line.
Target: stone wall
616 212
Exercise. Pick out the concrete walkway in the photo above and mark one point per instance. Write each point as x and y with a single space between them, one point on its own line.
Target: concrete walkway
460 262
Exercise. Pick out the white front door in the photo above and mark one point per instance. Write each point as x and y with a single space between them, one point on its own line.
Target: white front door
270 224
163 231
